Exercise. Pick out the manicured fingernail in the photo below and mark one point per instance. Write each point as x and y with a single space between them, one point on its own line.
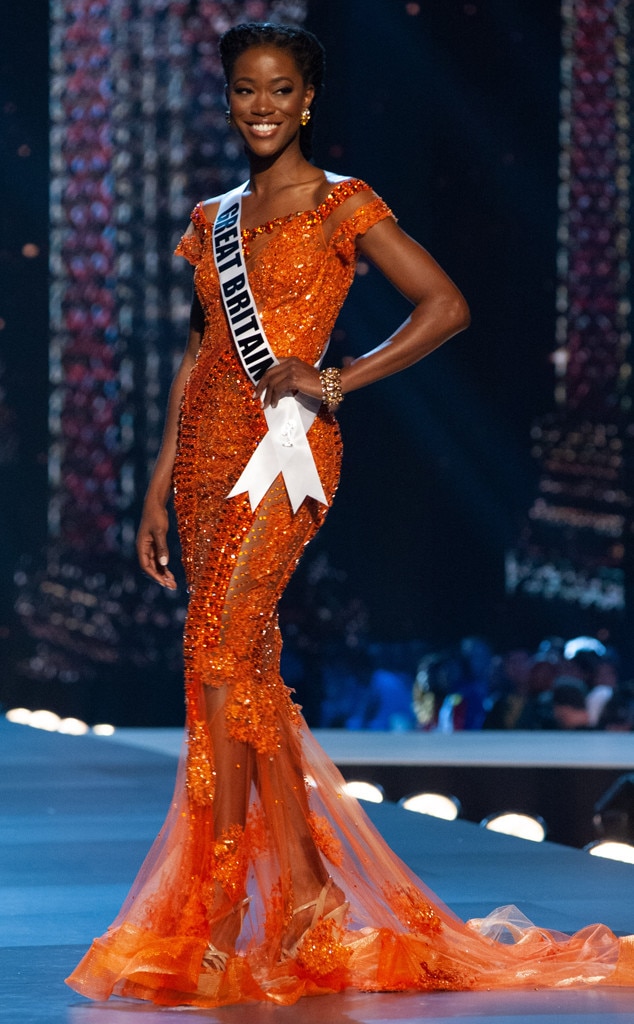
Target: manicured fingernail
163 560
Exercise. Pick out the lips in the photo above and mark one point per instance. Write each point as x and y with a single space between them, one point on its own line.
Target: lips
263 128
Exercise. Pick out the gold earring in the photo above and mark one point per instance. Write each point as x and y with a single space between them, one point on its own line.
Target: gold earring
228 117
305 118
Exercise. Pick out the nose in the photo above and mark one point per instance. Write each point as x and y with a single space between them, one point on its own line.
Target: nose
262 104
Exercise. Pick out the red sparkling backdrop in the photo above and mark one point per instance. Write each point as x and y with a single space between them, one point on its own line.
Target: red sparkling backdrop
576 547
595 208
137 135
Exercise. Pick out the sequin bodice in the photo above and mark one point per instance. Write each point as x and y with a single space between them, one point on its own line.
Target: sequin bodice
298 280
300 274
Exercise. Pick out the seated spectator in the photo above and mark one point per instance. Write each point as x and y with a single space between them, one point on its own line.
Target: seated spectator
477 661
603 686
510 683
437 679
617 714
569 704
563 707
526 711
595 664
387 702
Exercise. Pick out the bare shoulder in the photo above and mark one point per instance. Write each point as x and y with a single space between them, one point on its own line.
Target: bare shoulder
332 180
349 194
210 207
357 190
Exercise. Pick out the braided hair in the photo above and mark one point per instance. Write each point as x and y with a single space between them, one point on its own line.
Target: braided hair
304 47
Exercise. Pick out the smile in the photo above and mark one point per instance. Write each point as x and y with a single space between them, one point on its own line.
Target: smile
263 128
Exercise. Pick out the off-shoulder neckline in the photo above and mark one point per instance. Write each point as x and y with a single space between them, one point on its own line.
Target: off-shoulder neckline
269 225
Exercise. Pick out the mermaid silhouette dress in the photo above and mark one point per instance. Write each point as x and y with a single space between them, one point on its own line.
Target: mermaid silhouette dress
267 881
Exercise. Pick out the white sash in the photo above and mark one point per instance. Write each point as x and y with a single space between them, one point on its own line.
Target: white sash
284 448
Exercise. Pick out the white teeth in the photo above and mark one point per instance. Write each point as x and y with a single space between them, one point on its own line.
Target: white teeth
263 127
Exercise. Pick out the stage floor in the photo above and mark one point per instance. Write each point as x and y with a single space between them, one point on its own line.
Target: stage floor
76 819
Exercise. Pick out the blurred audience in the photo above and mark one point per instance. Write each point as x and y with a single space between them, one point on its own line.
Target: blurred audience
569 686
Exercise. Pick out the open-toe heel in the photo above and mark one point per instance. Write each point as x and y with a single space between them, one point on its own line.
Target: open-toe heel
337 915
215 959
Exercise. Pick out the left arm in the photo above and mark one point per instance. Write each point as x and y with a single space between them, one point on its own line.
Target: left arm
440 311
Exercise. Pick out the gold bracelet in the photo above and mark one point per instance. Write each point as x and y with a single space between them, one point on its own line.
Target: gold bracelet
331 387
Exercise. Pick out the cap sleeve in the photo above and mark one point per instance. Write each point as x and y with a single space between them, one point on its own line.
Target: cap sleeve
191 245
360 221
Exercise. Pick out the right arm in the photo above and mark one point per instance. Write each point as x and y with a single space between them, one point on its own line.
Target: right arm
151 541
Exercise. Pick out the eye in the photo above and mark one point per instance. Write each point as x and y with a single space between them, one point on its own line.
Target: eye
285 89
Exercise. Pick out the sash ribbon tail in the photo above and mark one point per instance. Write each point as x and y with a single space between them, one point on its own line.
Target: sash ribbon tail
284 449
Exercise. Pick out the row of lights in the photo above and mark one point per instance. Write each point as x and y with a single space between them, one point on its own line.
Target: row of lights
437 805
510 823
48 721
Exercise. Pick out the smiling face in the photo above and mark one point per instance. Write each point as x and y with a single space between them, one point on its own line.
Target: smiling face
266 97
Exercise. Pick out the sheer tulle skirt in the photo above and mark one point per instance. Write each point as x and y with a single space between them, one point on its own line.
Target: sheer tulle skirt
267 881
394 934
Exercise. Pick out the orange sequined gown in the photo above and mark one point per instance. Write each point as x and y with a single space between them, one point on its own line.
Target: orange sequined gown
259 821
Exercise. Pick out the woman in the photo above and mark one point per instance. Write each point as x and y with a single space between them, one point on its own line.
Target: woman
267 881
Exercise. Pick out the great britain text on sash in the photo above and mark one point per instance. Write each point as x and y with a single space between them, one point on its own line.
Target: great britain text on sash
253 346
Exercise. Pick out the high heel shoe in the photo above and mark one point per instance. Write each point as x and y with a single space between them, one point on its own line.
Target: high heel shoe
215 959
337 915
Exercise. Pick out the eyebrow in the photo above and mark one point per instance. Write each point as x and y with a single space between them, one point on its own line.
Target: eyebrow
272 81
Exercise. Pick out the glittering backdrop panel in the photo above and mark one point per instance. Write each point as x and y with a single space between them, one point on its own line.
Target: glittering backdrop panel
137 136
574 556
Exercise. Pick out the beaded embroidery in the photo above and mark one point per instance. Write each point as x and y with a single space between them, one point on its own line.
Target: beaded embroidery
413 910
230 861
325 839
201 774
322 951
342 191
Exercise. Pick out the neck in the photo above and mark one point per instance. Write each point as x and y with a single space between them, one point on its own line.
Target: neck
269 175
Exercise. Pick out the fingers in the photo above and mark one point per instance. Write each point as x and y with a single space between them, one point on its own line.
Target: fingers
167 580
163 575
153 556
160 573
288 377
266 386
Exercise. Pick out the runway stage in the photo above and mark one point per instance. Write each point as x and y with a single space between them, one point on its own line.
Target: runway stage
77 817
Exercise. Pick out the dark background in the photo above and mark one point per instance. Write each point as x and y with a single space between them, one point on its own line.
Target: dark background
23 303
452 115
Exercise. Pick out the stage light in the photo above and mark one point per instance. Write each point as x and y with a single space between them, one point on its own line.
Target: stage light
516 823
49 721
611 850
72 727
435 804
364 791
19 716
46 720
103 730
